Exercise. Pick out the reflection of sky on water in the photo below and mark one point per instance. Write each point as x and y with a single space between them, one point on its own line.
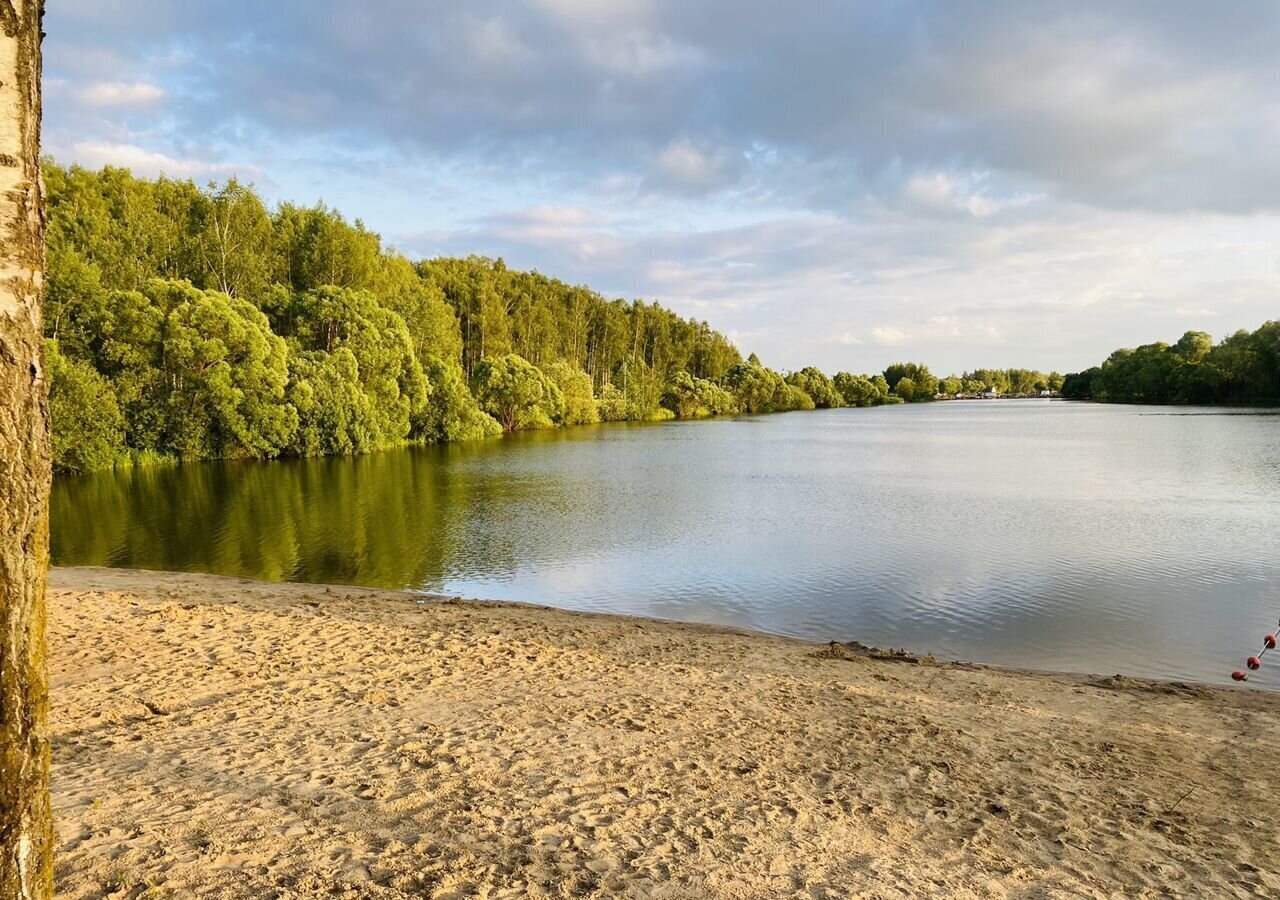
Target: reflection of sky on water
1051 535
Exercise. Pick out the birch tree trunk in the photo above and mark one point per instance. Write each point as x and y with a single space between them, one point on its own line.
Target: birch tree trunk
26 838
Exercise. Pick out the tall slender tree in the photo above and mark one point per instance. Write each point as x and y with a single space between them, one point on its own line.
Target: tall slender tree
26 837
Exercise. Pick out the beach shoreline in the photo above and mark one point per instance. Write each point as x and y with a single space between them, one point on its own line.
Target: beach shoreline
80 577
220 737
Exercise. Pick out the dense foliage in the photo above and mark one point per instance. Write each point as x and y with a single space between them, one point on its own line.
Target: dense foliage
1243 368
189 322
194 323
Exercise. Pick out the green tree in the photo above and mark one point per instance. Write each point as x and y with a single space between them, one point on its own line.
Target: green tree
451 412
713 399
432 322
754 388
126 346
516 393
689 397
643 388
234 239
315 247
225 374
388 371
1193 347
612 404
1243 368
923 384
379 349
817 386
75 301
334 415
857 390
789 397
1079 385
88 429
575 388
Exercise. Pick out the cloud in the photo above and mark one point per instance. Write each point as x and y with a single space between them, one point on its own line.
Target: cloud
683 165
846 339
581 234
888 336
948 193
555 217
1140 105
991 181
96 154
813 291
115 93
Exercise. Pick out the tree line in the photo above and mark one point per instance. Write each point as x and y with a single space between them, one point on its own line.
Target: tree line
193 323
1243 368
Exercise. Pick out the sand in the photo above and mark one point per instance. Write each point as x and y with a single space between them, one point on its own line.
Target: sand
216 737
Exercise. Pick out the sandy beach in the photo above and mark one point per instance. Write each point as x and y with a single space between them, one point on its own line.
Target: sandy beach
216 737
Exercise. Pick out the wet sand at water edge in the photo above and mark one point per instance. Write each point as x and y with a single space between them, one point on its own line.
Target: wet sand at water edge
222 738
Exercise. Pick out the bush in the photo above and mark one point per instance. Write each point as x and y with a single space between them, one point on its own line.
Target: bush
612 405
451 413
575 387
88 429
516 393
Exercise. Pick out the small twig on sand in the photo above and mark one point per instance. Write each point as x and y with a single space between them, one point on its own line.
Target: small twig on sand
1080 847
1180 799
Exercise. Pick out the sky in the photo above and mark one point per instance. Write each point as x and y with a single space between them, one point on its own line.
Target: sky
843 184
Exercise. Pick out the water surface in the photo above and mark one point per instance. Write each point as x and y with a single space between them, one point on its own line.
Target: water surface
1046 534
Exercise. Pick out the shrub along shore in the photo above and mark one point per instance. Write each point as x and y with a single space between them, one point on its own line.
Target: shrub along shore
1242 369
196 323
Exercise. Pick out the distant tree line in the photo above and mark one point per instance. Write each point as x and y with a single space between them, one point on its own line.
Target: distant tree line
1241 369
193 323
914 382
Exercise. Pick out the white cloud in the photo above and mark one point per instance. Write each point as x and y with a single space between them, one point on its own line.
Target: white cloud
116 93
845 339
582 233
937 191
950 193
562 217
667 271
685 165
888 336
95 154
966 183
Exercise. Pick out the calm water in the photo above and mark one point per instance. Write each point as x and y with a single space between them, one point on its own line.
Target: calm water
1054 535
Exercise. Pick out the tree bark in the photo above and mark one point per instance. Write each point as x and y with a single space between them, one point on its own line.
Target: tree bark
26 830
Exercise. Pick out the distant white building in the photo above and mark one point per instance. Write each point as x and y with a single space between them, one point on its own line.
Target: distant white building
989 394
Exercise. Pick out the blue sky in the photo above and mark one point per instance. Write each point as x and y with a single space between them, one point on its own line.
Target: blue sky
842 184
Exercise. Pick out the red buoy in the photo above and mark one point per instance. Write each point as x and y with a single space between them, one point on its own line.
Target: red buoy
1270 641
1237 675
1253 663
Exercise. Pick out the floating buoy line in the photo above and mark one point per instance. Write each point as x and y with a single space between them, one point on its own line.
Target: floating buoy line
1254 663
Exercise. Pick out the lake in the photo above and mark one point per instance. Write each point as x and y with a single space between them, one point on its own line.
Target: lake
1053 535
